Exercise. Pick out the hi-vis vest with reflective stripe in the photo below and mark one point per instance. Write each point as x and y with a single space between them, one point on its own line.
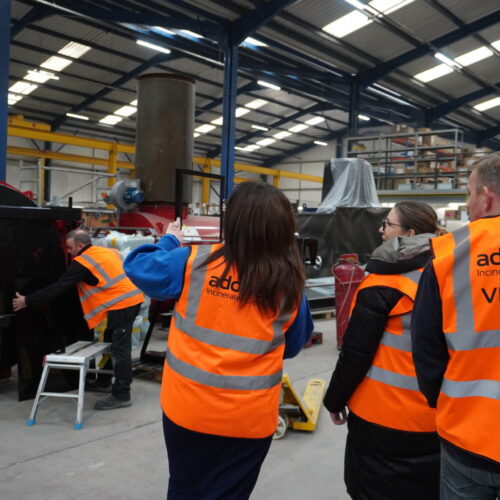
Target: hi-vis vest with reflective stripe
113 290
389 393
223 367
467 268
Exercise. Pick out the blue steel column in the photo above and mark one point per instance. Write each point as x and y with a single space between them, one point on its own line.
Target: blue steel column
4 82
353 107
229 117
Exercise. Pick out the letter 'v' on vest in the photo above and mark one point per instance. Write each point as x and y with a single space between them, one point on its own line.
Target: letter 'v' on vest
224 361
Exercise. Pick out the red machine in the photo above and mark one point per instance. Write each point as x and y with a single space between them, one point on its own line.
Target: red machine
348 275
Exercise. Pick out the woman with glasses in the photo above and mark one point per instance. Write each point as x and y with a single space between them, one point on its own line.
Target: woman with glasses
392 448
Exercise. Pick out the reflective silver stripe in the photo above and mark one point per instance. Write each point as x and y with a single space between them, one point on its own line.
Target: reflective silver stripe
236 382
401 342
472 340
392 378
217 338
227 340
86 294
414 276
98 266
110 303
472 388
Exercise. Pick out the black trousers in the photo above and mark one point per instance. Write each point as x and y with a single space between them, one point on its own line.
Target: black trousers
119 333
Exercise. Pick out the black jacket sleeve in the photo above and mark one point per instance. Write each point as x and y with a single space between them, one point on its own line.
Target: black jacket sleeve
73 275
430 354
361 340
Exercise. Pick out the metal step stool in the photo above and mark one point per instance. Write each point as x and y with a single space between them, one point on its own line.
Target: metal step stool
76 357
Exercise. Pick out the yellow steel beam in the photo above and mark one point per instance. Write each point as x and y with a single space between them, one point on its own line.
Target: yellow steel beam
90 160
19 121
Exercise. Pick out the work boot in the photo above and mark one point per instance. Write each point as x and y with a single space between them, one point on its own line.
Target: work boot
111 403
98 385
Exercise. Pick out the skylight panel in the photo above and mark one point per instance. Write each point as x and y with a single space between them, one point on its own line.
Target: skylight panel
153 46
241 111
282 134
74 50
253 42
37 76
111 120
196 134
320 143
445 59
204 129
298 128
266 142
491 103
256 103
191 34
252 147
134 103
126 111
433 73
218 121
496 45
474 56
165 31
13 98
316 120
56 63
356 20
259 127
22 87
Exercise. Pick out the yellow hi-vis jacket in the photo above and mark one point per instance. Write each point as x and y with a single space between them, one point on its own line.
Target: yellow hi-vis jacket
224 361
113 290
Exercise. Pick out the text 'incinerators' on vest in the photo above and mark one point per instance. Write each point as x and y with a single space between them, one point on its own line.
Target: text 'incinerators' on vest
225 284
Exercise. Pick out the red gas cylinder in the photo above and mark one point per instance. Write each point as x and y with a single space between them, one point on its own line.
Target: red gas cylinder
348 275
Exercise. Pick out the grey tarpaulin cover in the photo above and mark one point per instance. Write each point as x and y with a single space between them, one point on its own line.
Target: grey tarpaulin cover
353 186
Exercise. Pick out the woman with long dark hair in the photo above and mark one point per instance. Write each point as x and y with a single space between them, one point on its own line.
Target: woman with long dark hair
392 448
240 311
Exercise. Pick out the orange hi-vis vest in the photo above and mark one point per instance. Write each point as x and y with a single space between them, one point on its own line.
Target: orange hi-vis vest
224 360
389 394
113 290
467 268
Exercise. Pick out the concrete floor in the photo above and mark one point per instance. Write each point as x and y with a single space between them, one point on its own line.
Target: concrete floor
120 454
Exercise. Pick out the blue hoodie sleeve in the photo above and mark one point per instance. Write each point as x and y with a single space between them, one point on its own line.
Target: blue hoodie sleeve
300 330
158 270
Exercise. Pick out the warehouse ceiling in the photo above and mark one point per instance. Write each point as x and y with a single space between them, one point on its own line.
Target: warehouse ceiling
74 64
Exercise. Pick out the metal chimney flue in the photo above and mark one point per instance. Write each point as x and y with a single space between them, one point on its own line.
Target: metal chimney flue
164 138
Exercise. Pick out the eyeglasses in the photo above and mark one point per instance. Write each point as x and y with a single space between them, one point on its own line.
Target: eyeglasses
386 223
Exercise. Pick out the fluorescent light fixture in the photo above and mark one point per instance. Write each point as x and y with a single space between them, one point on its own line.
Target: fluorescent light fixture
40 76
204 129
22 87
256 103
111 120
126 111
315 120
491 103
134 103
253 41
55 63
259 127
445 59
153 46
163 30
320 143
74 50
251 147
196 134
240 148
218 121
474 56
496 44
364 118
282 134
241 112
347 24
433 73
269 85
298 128
266 142
78 117
356 20
191 34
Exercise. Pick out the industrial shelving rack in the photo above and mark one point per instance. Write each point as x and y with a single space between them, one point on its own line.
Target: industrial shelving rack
419 160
